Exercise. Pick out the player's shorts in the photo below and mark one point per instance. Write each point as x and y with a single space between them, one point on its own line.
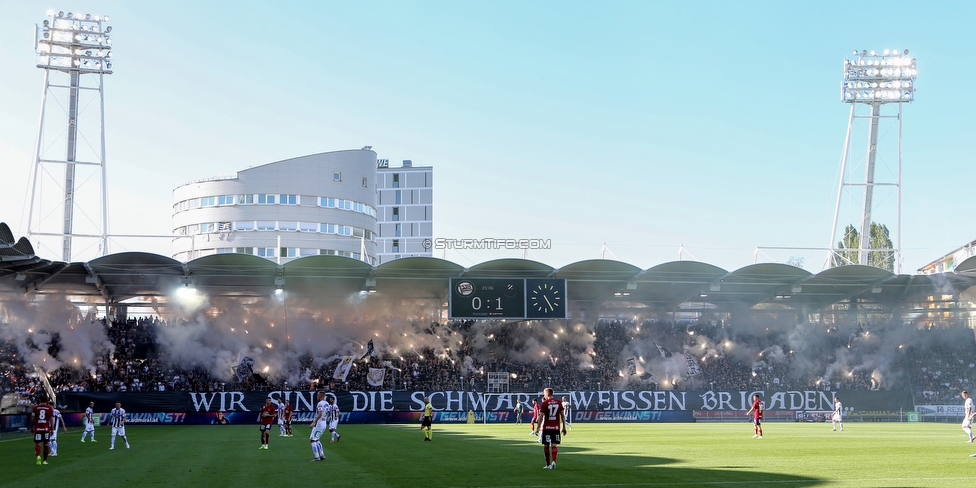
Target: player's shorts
836 418
550 437
265 427
967 423
757 420
317 432
118 431
281 421
333 424
42 436
89 426
425 421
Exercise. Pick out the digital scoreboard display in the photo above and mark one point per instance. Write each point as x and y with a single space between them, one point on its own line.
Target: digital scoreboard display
507 298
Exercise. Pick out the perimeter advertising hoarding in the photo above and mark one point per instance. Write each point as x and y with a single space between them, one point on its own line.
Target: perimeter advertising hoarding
404 406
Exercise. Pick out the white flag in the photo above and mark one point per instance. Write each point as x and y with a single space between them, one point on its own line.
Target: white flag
375 376
693 368
244 367
342 370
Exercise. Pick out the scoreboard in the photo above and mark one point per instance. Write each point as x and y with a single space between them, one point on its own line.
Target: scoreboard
507 298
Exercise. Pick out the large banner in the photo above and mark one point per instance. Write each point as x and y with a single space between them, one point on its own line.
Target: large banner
401 406
941 410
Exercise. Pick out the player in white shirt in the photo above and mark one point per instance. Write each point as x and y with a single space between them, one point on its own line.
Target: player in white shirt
970 412
838 417
566 413
319 425
117 419
332 411
89 423
58 422
281 418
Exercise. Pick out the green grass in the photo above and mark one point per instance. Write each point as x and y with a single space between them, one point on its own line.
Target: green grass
704 454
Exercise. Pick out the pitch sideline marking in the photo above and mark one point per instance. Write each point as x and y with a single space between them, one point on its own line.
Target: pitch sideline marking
753 482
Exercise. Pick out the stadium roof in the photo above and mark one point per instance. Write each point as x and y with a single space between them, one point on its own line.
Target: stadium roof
591 283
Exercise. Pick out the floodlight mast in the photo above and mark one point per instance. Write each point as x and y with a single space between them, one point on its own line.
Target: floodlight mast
873 79
76 45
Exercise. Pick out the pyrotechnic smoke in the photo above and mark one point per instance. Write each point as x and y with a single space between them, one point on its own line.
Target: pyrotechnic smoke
50 331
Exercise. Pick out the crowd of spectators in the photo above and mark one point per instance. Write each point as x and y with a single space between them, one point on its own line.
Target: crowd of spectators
935 364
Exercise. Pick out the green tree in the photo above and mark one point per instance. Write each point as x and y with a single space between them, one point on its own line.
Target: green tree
882 256
881 240
851 240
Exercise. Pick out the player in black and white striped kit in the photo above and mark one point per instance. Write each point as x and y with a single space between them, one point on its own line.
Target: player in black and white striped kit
117 419
89 422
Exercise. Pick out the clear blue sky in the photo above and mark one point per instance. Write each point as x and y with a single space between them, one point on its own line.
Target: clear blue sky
642 125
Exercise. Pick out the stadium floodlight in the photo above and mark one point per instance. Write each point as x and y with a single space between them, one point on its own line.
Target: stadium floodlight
77 45
74 42
874 80
884 78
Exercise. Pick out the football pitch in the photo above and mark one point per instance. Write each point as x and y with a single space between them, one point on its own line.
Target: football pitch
592 455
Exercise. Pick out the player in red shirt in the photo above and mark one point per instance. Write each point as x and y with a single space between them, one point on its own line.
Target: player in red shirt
536 423
289 411
553 422
757 415
267 418
42 421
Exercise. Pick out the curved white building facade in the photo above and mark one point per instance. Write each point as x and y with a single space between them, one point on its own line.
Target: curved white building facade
319 204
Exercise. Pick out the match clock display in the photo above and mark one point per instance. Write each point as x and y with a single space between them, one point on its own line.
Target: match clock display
545 298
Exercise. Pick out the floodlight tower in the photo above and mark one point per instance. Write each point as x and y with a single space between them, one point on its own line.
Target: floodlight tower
874 80
71 44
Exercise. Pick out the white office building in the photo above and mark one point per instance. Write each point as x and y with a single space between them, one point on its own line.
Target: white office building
404 209
318 204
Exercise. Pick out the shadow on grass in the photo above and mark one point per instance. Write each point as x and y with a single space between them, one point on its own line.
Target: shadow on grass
515 463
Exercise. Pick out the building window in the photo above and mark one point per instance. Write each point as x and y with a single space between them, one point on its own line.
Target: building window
396 245
336 176
288 225
207 201
242 199
225 250
399 197
223 226
307 226
244 250
266 252
396 180
365 183
244 225
399 230
288 199
287 252
225 200
266 225
396 214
